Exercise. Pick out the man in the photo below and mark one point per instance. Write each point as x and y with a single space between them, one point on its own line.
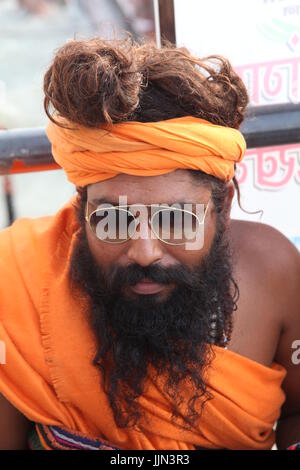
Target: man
141 316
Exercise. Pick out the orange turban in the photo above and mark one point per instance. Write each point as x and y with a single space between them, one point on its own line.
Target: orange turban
90 155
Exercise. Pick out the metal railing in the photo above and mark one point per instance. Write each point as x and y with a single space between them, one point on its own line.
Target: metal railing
26 150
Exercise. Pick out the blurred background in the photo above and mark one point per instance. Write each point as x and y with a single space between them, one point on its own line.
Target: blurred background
261 38
30 32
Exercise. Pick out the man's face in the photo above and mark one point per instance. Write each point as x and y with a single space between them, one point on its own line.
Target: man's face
165 323
172 188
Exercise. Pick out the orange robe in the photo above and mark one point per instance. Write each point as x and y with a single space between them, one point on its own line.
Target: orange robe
48 373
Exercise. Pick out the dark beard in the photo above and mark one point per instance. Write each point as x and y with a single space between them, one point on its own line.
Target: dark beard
173 335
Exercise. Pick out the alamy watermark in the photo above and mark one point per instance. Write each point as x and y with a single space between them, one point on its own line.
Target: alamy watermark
296 354
174 224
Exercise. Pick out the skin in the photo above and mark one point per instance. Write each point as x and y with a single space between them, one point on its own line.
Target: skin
14 427
266 268
153 190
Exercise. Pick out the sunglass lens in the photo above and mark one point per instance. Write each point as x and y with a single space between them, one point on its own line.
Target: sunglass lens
174 226
112 224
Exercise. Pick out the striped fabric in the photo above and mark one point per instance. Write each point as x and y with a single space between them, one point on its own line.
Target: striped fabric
295 446
44 437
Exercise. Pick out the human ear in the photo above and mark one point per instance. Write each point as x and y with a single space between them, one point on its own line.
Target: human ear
229 198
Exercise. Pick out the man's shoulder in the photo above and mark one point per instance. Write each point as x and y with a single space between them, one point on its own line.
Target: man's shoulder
28 245
30 233
262 241
272 264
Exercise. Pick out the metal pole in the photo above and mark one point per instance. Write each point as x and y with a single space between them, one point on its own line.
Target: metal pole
166 20
8 195
8 191
25 150
157 23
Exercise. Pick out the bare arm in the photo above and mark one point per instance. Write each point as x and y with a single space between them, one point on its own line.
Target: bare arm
14 427
288 426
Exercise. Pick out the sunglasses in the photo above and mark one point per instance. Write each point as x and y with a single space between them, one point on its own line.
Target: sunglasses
171 225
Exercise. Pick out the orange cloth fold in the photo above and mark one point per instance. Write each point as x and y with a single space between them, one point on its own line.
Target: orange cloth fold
145 149
49 374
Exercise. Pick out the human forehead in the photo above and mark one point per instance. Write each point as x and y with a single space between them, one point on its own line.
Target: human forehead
177 186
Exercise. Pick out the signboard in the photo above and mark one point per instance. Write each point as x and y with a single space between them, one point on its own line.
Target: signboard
261 38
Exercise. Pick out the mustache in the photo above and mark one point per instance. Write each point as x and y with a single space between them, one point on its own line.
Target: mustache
120 276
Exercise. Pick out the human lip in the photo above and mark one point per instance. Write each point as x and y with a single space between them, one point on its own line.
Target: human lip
146 286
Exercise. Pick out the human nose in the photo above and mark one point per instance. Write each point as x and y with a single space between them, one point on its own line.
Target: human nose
145 249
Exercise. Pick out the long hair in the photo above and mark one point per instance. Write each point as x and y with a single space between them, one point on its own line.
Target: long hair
96 81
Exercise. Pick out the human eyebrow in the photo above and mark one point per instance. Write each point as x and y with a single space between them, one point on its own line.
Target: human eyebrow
103 200
179 204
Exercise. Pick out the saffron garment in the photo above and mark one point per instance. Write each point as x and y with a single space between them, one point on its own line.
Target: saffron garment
49 374
90 155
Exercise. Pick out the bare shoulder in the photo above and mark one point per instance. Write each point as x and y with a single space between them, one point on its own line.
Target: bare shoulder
269 255
263 238
264 245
